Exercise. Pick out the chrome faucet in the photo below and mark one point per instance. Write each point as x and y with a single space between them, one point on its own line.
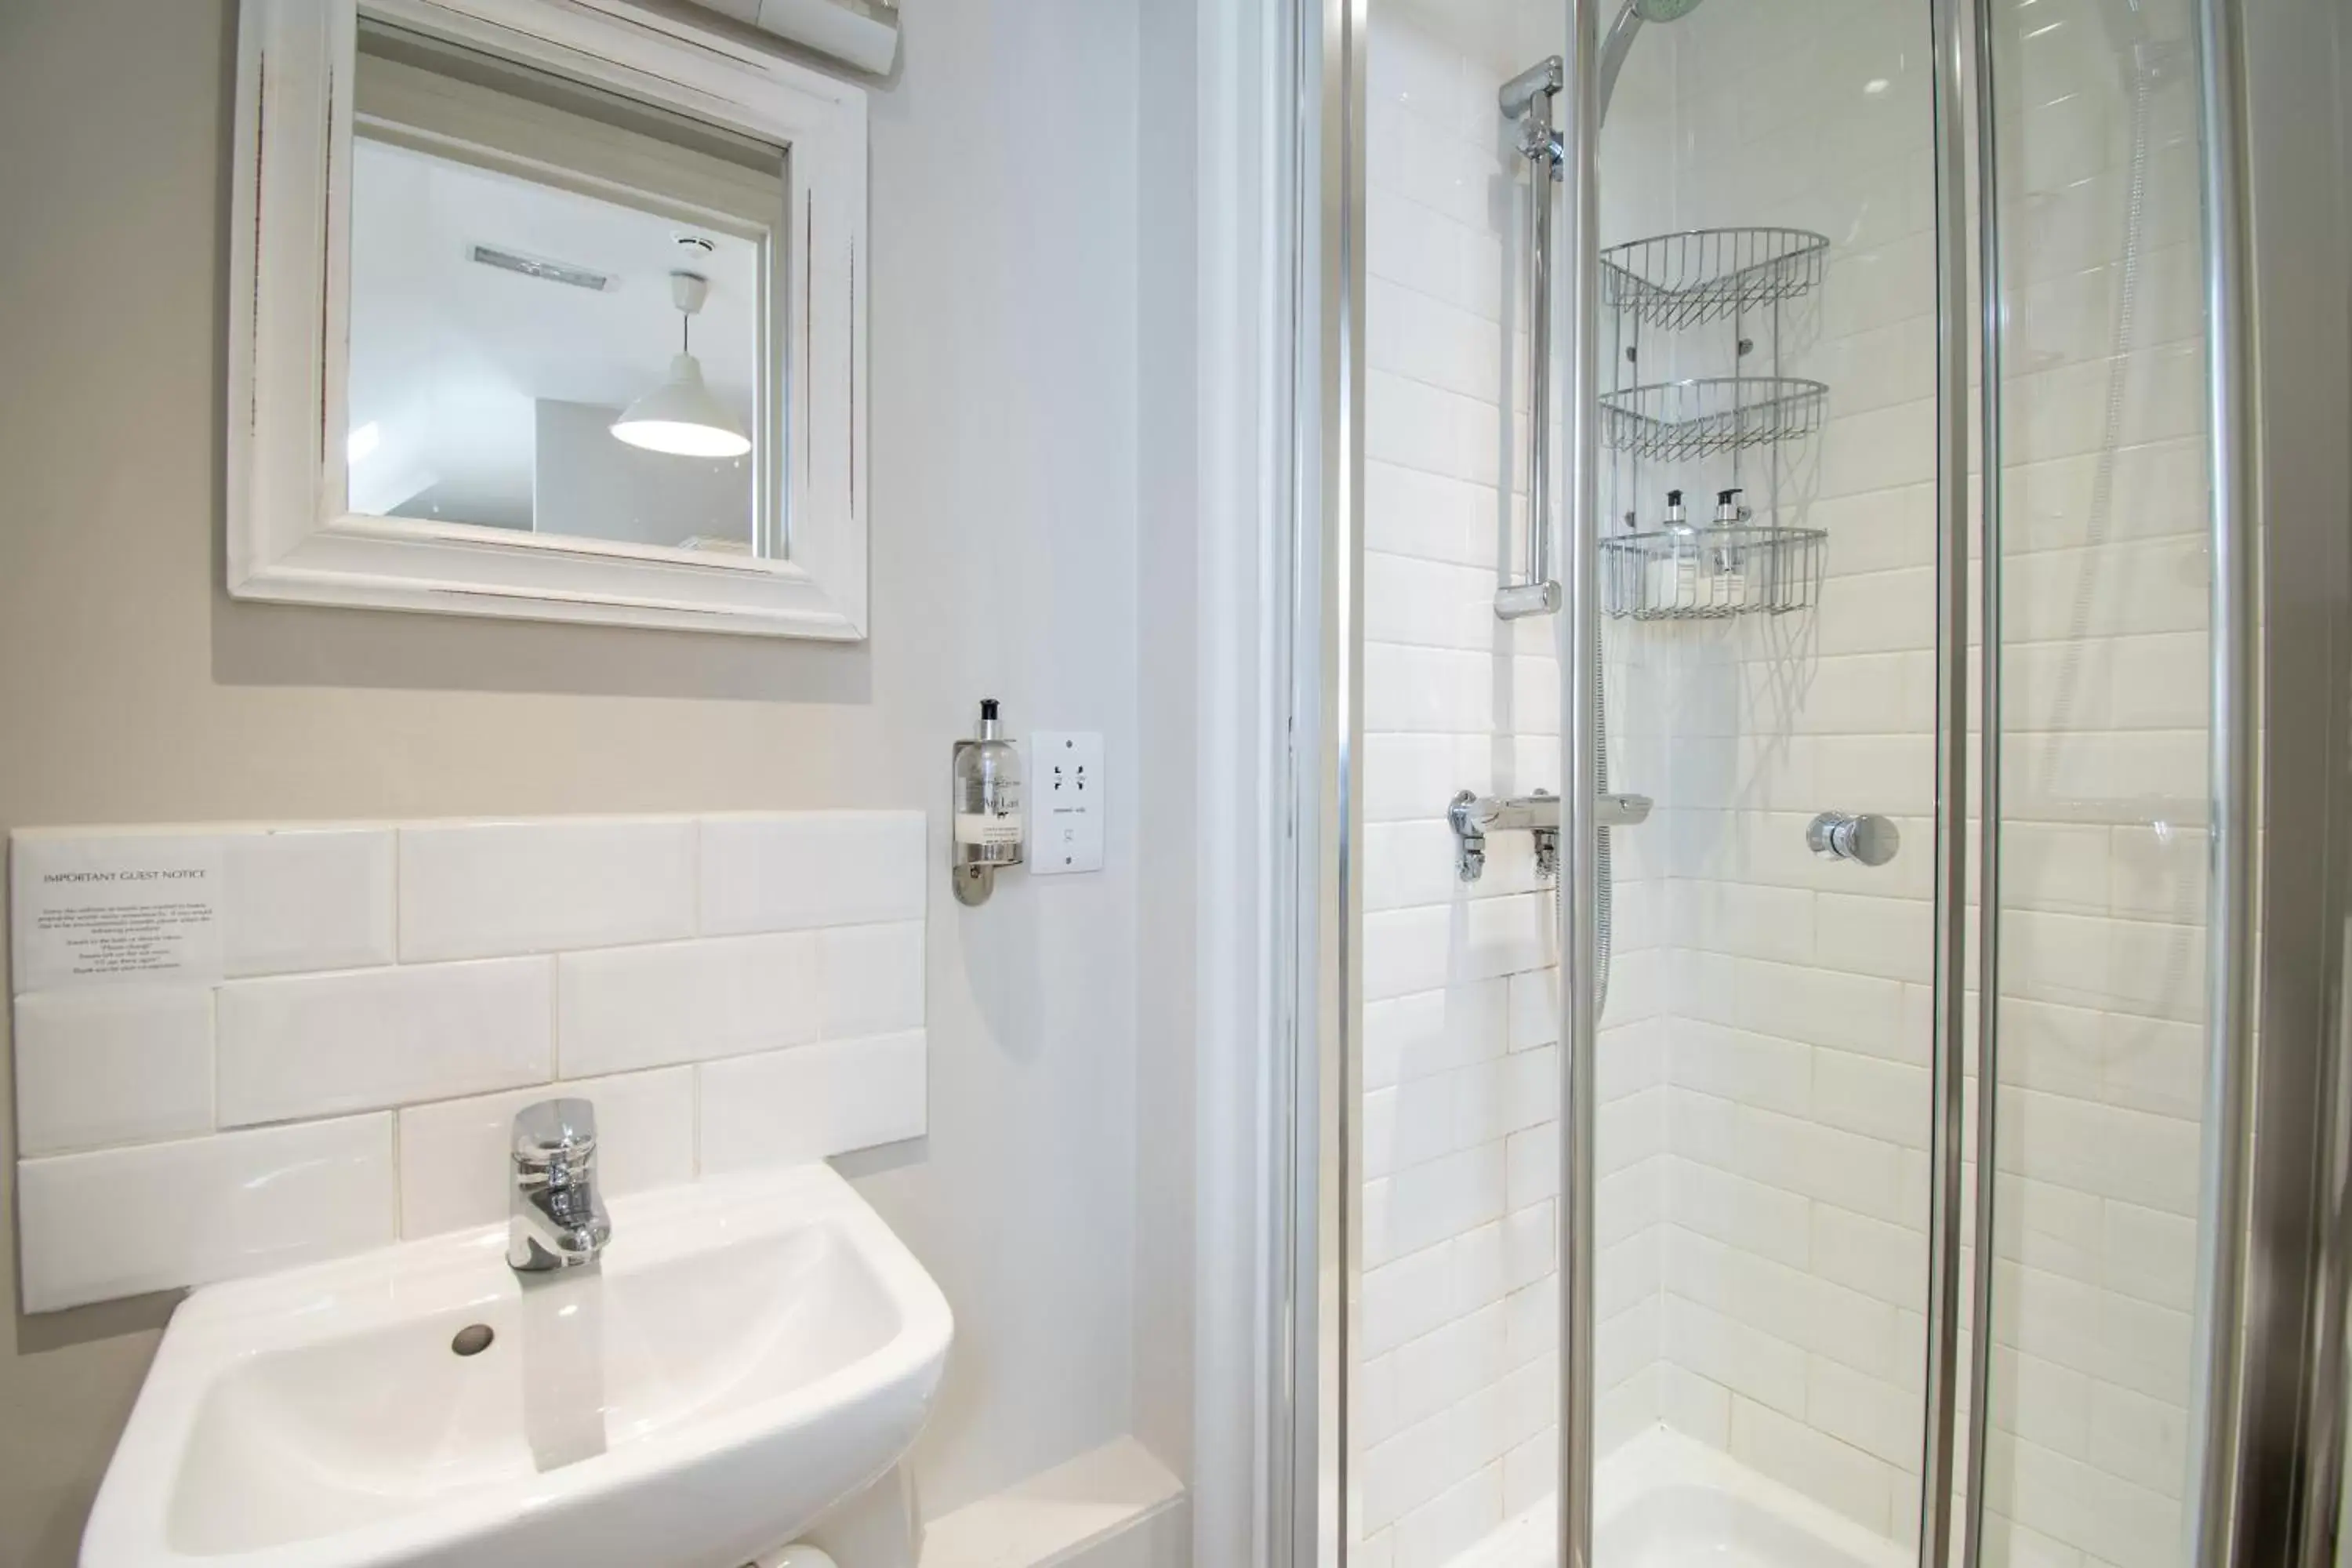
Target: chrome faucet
554 1218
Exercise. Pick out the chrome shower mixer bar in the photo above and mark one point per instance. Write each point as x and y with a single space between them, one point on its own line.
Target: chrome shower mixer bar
1525 100
1474 816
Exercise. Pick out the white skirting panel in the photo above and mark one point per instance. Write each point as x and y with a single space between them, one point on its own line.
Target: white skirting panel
1115 1506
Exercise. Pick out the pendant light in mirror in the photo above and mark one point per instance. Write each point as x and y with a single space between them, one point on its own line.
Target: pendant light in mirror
681 416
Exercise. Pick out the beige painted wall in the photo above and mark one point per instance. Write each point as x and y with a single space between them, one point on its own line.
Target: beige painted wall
1004 563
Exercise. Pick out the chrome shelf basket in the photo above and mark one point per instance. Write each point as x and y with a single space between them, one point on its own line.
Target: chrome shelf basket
1675 420
1709 573
1705 275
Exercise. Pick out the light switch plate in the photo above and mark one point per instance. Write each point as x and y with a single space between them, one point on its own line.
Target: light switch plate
1065 802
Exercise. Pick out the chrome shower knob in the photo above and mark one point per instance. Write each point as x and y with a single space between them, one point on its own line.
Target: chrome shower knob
1845 836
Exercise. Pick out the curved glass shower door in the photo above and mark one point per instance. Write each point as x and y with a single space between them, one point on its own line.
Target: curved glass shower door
1658 572
1763 588
2102 518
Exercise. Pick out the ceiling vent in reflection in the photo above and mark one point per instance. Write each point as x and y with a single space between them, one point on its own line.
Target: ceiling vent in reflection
539 267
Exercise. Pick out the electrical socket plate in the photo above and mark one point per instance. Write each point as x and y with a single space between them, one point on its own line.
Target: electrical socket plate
1065 802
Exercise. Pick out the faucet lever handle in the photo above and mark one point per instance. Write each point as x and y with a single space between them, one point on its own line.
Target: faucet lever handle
553 1130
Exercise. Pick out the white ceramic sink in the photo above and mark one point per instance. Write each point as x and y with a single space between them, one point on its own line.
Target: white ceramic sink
748 1353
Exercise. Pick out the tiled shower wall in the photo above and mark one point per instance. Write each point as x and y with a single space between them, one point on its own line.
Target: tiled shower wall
1794 1251
1456 1388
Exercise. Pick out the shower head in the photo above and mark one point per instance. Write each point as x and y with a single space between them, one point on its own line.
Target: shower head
1613 48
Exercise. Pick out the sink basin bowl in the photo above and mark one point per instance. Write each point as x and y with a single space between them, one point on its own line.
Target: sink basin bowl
747 1354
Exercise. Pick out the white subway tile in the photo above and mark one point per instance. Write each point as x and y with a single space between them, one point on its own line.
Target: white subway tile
1820 1466
1408 951
112 908
1714 1203
790 1107
1531 1472
1372 1414
457 1155
319 1044
1881 1099
484 889
1893 938
120 1222
1443 1198
1407 1297
1726 1351
1870 1256
1451 1362
1753 1069
871 978
1440 1531
1863 1412
304 898
2142 1440
112 1064
624 1008
799 869
1430 1032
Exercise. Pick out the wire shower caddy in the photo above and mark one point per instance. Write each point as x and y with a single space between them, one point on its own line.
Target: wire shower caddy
1672 280
1675 421
1742 278
1708 574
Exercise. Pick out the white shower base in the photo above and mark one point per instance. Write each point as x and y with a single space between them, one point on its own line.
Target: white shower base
1669 1503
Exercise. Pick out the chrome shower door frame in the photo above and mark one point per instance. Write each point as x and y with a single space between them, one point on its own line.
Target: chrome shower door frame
1577 648
1315 1214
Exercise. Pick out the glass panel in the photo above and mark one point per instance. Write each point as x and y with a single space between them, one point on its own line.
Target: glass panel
557 299
2103 829
1764 1042
1454 1393
1769 331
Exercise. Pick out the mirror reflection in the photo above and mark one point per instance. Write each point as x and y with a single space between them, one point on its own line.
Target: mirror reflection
559 303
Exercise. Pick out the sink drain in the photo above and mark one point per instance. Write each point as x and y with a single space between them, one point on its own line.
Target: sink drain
473 1339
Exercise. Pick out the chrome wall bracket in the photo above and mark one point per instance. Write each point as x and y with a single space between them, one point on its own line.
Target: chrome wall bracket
1527 100
1474 816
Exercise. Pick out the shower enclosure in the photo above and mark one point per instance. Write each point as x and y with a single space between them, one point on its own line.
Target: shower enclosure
1777 644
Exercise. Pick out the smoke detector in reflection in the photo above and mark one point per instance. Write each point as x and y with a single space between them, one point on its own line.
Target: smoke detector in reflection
691 247
542 267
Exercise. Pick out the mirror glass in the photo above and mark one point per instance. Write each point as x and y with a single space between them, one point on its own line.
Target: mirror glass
564 307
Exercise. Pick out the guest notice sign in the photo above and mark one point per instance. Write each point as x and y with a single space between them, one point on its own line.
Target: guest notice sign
136 907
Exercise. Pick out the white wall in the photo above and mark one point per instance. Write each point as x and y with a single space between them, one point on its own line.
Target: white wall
1004 400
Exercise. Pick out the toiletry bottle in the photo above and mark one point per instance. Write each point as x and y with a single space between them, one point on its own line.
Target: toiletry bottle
1673 571
1727 563
988 797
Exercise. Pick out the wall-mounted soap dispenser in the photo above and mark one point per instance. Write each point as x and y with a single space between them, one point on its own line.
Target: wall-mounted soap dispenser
987 806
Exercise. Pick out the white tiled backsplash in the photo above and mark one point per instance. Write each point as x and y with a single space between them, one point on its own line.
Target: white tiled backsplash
334 1060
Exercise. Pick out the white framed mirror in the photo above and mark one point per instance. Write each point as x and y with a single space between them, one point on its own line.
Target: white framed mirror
546 308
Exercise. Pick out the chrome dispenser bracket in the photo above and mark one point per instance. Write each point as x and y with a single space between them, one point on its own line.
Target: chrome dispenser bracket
973 884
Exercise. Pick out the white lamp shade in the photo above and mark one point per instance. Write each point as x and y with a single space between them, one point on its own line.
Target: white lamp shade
681 417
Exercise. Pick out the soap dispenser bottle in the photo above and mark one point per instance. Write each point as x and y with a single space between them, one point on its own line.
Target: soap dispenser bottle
985 786
988 795
1674 572
1727 563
